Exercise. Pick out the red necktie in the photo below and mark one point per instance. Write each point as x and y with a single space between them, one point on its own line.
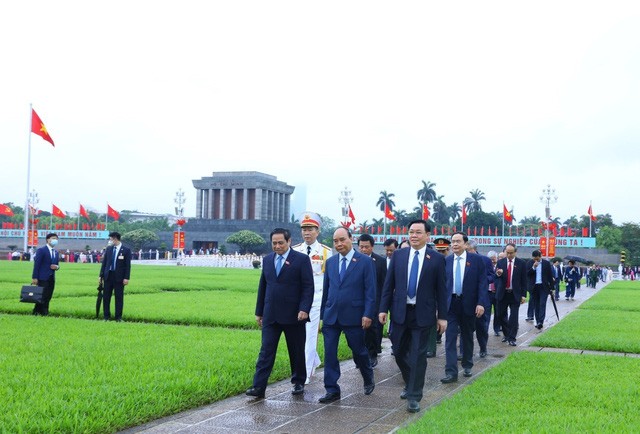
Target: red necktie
509 275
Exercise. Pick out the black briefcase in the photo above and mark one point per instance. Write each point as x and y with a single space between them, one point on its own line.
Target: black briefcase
31 294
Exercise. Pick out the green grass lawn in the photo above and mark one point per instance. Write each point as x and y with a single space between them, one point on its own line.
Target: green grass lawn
543 393
189 338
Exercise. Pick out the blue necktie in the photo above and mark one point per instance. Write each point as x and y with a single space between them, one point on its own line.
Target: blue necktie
115 257
458 286
279 265
343 269
413 276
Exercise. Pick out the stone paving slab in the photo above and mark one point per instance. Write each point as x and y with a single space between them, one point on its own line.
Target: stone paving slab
381 412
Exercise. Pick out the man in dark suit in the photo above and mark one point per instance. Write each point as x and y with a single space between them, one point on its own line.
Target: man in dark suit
467 286
373 335
45 265
415 294
285 295
540 282
482 323
572 278
557 277
115 274
348 306
511 291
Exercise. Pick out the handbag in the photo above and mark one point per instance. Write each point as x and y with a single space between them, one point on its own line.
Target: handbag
31 294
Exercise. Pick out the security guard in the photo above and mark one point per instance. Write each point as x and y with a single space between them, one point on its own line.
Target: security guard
318 253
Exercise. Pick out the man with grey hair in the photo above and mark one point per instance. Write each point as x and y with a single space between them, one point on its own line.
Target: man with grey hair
482 322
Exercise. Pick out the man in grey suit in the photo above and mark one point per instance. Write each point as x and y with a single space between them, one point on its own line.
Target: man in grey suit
415 294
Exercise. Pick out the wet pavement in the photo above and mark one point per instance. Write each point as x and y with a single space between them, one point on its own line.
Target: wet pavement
381 412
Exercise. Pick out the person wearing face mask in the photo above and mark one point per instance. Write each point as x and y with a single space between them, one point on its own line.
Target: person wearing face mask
45 265
114 275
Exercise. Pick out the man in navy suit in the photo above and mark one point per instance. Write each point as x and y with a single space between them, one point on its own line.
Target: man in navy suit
348 306
467 287
373 335
115 273
511 291
415 294
285 295
45 265
482 323
540 279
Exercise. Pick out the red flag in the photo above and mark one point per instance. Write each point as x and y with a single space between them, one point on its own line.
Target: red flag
83 212
112 213
464 215
57 212
585 232
387 212
591 216
37 127
379 229
5 210
508 217
425 212
392 230
351 216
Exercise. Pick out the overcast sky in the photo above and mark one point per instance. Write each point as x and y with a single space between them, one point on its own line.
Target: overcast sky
142 97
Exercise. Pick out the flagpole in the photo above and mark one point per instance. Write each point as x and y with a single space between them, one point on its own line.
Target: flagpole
26 208
51 219
462 219
385 219
503 223
590 219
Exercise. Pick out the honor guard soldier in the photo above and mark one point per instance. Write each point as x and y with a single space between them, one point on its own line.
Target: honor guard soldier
318 253
442 245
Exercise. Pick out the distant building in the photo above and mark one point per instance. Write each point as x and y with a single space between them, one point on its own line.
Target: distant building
227 202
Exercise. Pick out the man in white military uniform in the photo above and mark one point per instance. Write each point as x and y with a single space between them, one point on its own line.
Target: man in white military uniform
318 253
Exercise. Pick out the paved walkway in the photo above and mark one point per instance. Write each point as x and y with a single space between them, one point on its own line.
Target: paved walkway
380 412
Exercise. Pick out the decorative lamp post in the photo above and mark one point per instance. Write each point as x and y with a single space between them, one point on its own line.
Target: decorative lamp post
345 199
180 200
33 204
548 197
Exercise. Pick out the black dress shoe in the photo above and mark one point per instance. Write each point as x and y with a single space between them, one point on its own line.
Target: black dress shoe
329 397
529 319
539 326
504 339
255 391
368 388
374 362
449 379
483 354
459 357
298 389
430 354
403 395
467 372
413 406
512 343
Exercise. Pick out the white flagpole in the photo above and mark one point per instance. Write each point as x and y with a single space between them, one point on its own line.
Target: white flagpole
26 208
385 220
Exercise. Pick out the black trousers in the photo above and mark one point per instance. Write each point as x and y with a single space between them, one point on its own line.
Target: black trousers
295 335
111 287
512 306
47 292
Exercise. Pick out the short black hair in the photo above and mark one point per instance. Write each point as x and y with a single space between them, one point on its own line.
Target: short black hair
512 245
115 235
390 241
367 237
283 231
427 227
465 238
51 235
536 254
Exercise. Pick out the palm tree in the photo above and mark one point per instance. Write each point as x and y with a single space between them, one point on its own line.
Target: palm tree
473 203
377 222
427 194
385 198
455 211
440 211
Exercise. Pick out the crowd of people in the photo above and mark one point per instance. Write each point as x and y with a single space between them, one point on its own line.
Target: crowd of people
422 290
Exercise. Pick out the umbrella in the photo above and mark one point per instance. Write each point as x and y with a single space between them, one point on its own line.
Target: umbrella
578 259
553 300
99 300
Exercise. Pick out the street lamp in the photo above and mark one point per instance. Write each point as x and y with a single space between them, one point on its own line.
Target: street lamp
179 200
33 204
548 197
345 199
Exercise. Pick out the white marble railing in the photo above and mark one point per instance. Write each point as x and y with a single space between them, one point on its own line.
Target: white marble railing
223 261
